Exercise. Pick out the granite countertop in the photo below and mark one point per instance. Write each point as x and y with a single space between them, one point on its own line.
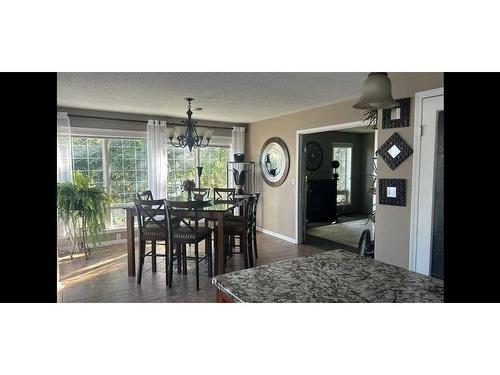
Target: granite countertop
333 276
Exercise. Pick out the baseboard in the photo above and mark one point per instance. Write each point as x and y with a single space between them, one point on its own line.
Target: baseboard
277 235
63 249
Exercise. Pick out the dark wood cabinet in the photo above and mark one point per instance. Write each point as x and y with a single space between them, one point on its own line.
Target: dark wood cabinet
321 201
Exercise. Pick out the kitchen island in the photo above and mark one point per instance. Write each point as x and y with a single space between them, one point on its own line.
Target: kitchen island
333 276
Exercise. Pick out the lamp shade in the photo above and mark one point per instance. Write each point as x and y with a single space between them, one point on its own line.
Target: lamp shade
209 133
376 93
201 132
170 132
180 130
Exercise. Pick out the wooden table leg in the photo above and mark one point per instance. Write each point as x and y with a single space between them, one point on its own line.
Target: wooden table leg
220 244
130 243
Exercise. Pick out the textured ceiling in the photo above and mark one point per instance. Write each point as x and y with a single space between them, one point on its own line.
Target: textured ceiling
234 97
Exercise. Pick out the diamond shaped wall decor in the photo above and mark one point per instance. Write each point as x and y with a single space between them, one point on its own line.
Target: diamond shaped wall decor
394 151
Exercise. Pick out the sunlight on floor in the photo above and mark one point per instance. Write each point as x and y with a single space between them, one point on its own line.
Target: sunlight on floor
93 271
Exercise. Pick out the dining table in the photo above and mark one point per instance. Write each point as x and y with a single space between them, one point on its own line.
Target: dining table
207 209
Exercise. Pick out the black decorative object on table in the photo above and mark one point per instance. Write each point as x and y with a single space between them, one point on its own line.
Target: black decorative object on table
314 156
392 191
239 180
239 157
397 117
394 151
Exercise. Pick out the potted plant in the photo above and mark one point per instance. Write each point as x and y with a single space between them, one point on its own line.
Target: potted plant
188 185
239 180
82 209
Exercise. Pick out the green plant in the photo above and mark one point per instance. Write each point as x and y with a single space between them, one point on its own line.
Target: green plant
82 208
371 117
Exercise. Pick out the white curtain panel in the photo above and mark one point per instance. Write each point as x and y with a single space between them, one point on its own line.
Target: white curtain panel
64 167
238 141
157 158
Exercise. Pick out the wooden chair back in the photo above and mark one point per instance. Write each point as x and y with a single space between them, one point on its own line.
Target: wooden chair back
224 195
145 195
187 212
203 191
151 213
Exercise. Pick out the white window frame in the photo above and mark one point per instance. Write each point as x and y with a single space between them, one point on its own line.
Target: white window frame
348 191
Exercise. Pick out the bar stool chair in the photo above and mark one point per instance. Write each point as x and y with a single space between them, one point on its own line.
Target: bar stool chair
189 234
241 226
152 221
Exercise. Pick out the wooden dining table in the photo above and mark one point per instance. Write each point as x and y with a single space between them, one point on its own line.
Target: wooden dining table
208 209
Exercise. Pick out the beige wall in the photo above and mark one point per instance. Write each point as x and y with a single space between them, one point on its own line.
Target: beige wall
277 210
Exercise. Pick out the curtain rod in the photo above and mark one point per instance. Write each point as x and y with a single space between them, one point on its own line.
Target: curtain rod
140 121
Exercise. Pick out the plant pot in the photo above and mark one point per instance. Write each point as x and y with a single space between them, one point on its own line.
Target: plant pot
239 189
190 194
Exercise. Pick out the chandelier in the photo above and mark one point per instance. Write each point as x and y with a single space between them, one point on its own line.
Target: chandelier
192 137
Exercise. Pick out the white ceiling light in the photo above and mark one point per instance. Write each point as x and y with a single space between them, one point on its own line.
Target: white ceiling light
376 93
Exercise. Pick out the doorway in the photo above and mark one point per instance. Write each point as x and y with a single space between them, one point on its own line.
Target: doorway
427 222
353 146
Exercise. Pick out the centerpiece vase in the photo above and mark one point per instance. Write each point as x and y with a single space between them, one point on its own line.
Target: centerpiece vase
190 194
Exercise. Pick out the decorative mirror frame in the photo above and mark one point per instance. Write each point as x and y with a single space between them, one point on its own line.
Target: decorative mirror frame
286 167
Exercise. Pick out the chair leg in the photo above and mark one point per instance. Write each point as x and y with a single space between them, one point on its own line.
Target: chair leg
171 268
216 256
167 257
178 247
153 255
184 260
255 242
208 249
244 249
250 248
142 251
197 266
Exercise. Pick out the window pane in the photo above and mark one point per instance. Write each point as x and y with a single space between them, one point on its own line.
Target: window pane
80 164
117 216
79 151
95 152
87 158
214 163
181 166
343 154
129 173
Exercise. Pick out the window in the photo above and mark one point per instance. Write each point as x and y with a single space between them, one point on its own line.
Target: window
120 167
117 165
214 163
128 173
182 165
342 152
87 158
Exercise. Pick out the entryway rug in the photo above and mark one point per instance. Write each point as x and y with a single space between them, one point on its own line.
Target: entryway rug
344 233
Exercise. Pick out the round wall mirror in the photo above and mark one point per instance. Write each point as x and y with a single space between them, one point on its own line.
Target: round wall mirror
274 161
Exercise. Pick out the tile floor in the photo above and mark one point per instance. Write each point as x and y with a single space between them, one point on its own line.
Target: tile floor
103 278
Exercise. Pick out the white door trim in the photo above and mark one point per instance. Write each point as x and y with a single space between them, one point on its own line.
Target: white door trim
417 128
347 125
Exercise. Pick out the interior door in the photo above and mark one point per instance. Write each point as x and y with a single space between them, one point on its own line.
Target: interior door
430 215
